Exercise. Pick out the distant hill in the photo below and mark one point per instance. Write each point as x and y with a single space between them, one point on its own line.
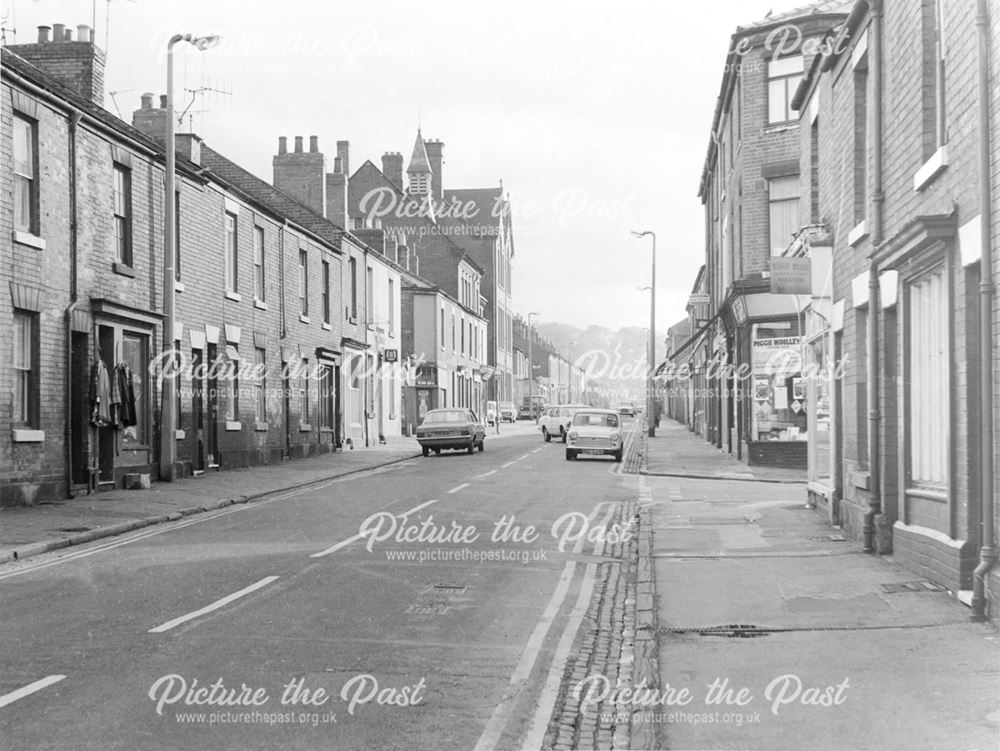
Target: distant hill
615 361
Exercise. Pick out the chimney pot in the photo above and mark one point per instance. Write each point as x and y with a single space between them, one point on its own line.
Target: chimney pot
58 32
338 166
43 34
69 35
83 33
313 144
147 101
298 144
344 151
163 101
282 144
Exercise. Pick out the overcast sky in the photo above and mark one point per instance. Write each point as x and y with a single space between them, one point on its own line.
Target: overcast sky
594 115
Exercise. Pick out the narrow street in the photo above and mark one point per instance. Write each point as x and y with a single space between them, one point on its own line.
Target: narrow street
426 633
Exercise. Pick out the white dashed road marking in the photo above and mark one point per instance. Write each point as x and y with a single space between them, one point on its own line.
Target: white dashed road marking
214 606
31 688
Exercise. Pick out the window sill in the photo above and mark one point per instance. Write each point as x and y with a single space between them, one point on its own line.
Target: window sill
325 325
305 427
233 425
859 233
124 269
260 427
28 435
304 319
26 238
326 430
780 127
259 304
180 435
179 286
931 168
234 296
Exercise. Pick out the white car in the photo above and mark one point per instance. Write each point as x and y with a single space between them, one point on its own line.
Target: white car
595 432
554 422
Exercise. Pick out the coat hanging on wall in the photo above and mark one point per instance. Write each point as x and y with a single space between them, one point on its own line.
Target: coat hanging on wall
100 396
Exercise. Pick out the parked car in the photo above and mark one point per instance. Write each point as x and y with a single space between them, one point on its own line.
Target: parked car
626 408
507 412
595 432
491 413
453 428
555 421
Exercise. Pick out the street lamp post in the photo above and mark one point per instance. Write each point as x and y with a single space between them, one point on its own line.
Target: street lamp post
168 414
531 371
650 419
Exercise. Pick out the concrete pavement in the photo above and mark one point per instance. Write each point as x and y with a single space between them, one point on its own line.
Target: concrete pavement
677 452
30 530
757 594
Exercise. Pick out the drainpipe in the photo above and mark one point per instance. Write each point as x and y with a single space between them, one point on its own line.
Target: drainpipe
74 121
987 552
874 473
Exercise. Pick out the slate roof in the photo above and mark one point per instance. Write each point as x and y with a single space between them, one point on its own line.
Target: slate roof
814 8
267 195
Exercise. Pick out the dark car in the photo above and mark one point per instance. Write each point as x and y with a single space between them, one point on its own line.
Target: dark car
453 428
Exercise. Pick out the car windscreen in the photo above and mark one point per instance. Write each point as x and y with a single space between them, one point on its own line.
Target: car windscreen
450 416
595 419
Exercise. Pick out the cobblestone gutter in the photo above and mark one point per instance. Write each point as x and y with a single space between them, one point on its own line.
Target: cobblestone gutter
615 650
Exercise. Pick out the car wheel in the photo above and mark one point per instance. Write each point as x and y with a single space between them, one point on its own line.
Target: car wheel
545 435
562 434
426 451
570 455
472 445
618 455
437 452
482 445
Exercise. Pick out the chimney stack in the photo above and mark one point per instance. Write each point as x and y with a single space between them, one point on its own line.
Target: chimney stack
151 121
301 174
392 168
434 150
336 195
344 155
79 66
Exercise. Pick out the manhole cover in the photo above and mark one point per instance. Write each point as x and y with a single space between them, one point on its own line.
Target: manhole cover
916 586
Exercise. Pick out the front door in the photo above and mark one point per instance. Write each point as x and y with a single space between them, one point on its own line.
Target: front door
198 407
212 403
